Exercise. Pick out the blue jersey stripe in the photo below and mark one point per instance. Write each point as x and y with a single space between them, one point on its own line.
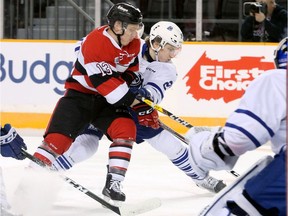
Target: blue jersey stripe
252 115
77 48
157 87
249 135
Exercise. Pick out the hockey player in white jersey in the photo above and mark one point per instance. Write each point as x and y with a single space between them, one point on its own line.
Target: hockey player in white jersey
157 74
260 117
10 146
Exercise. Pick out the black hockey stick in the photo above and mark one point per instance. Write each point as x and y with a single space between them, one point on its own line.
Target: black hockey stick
182 138
123 210
176 134
165 112
179 120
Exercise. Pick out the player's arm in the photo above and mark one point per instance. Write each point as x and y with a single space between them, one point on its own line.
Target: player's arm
154 85
246 129
11 143
157 82
102 74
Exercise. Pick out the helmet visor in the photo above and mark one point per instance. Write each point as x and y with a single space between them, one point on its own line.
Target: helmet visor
174 51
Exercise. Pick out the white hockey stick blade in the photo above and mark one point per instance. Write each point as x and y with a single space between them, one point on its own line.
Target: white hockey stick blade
140 208
220 199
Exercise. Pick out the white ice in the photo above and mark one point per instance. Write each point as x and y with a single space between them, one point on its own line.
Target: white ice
150 175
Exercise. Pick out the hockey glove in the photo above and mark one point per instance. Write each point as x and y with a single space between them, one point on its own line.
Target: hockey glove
202 153
128 76
197 129
141 92
147 116
11 143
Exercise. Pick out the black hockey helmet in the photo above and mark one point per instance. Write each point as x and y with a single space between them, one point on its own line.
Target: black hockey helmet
125 12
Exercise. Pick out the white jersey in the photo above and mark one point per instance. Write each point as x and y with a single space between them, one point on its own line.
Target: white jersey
155 76
261 115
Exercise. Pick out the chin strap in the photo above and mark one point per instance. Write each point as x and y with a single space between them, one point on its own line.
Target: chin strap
156 55
119 39
119 35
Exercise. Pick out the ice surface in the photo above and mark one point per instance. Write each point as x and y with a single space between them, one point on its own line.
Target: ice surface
150 175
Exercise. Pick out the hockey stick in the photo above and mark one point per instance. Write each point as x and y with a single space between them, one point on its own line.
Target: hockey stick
176 134
126 210
179 120
183 139
165 112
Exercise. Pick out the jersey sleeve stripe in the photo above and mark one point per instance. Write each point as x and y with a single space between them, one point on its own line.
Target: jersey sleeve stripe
252 115
115 95
157 88
249 135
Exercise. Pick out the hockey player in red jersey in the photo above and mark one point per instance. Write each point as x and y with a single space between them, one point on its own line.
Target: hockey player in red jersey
97 93
157 74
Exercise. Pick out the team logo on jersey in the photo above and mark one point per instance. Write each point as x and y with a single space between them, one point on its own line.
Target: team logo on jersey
212 79
137 82
123 61
124 58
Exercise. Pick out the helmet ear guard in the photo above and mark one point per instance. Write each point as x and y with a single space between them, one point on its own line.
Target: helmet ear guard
280 54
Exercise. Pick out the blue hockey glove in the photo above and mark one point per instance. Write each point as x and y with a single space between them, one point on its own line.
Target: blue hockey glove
145 93
11 143
141 92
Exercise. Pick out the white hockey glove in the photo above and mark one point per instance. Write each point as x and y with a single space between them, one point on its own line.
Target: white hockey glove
202 154
194 130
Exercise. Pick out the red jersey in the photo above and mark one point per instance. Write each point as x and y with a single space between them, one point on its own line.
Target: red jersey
100 62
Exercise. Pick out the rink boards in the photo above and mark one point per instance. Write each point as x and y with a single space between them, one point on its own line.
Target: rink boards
211 79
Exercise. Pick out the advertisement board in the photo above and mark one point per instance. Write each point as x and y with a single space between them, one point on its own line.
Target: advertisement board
211 79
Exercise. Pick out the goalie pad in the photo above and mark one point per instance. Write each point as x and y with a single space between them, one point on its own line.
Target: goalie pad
233 192
11 143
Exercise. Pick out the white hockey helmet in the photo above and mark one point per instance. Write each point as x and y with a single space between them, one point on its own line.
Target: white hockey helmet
166 32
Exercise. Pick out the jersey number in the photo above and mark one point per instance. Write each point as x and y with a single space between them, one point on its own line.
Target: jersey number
104 68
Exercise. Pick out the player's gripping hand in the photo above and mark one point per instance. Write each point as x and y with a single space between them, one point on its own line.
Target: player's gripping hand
11 143
147 116
141 92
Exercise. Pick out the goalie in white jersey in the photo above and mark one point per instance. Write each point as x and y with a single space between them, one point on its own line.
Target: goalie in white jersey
260 117
157 74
